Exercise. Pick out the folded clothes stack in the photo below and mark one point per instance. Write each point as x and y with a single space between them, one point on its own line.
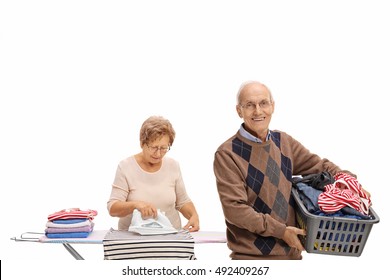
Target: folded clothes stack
70 223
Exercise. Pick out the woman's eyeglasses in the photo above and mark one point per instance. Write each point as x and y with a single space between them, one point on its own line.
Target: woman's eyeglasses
154 149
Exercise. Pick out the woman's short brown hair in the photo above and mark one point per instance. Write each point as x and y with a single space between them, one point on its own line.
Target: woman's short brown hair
154 128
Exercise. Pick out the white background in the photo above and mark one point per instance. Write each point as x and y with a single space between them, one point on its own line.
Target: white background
78 78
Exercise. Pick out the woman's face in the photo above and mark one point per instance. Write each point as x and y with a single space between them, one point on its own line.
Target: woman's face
156 150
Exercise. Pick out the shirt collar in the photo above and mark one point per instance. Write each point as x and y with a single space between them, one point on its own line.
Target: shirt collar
244 133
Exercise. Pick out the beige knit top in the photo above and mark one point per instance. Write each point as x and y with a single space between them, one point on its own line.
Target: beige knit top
165 188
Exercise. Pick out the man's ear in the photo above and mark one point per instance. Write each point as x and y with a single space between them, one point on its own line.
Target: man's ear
239 112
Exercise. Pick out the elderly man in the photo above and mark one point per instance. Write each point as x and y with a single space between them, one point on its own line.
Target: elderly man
253 171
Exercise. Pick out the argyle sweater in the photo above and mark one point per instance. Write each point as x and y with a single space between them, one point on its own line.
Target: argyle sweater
254 186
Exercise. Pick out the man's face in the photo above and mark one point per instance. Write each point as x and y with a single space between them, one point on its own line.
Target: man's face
256 108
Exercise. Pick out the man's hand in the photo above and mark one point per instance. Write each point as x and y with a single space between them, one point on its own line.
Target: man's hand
291 237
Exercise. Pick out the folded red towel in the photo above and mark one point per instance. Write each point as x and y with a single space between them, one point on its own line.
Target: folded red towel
73 213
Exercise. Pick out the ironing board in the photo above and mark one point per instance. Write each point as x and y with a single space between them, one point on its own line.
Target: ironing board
97 237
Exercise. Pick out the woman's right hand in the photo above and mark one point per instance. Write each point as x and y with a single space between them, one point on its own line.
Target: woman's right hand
147 209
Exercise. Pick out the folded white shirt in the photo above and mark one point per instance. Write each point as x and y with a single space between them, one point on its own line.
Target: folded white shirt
151 226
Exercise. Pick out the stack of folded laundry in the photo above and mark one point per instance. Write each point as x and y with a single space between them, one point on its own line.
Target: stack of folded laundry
70 223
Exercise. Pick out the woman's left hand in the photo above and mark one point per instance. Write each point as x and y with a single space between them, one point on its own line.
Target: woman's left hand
193 224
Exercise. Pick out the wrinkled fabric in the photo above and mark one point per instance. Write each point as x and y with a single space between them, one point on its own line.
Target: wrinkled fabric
309 196
345 191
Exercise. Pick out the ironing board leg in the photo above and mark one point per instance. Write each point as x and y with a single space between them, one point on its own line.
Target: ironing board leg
72 251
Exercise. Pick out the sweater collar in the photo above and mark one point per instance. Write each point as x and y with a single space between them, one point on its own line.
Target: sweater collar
244 133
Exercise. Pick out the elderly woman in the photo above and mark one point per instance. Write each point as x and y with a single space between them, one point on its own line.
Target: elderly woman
149 180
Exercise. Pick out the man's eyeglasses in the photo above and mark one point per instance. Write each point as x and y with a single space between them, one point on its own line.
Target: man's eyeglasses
154 149
251 106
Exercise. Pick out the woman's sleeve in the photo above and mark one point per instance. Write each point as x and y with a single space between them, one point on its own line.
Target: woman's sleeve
181 193
120 189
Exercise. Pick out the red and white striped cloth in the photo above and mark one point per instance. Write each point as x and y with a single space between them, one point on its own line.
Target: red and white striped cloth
73 213
345 191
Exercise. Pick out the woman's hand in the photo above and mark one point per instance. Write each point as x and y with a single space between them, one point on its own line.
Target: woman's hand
193 223
189 212
147 209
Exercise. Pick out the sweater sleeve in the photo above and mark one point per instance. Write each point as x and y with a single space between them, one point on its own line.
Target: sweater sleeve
305 162
230 181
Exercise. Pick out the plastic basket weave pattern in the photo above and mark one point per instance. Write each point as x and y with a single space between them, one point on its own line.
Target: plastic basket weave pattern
333 235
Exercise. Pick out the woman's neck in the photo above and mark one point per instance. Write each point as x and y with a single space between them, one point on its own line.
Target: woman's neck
147 165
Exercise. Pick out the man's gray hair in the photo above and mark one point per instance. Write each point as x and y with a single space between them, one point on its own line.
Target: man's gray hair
244 84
